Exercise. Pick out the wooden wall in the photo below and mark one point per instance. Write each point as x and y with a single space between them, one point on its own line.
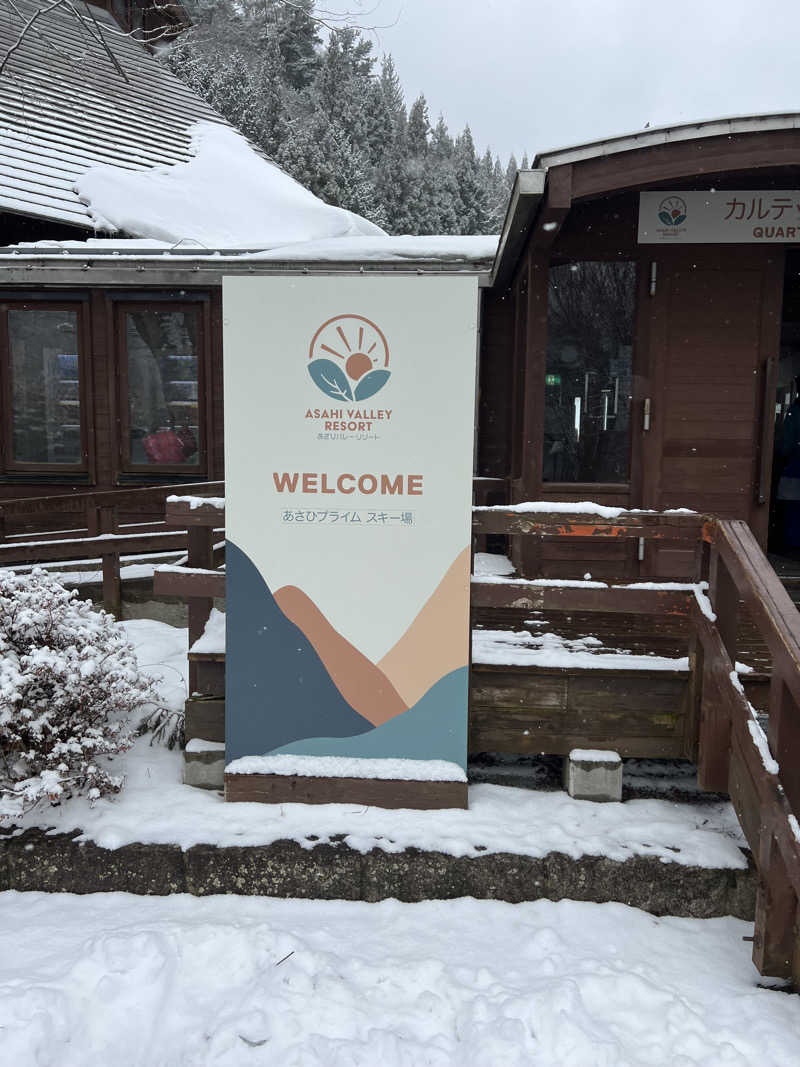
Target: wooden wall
703 334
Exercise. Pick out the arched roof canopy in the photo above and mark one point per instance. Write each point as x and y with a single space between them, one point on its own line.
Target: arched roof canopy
707 151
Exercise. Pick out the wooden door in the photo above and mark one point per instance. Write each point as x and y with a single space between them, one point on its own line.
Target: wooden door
714 321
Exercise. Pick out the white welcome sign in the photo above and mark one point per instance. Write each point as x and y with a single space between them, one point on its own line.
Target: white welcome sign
349 408
720 216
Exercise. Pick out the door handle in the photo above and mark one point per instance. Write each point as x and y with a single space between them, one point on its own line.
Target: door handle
646 415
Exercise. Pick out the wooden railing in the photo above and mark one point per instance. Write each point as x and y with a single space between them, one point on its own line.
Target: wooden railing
85 526
760 770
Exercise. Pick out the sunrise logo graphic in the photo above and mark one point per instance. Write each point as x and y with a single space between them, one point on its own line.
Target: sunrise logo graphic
349 358
672 211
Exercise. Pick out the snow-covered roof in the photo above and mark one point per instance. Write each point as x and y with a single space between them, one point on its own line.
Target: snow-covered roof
65 107
121 144
659 135
439 250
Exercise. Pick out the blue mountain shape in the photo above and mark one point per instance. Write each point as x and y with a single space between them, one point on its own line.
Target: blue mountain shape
276 687
433 728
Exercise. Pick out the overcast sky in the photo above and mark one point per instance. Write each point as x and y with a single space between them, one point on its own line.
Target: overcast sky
531 75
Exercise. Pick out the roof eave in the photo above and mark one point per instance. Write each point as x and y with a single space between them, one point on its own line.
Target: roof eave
522 207
689 131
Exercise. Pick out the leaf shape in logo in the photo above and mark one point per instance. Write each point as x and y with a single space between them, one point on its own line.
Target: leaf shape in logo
331 379
665 217
370 384
679 220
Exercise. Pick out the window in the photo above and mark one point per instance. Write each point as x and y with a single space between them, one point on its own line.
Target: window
161 385
589 372
43 387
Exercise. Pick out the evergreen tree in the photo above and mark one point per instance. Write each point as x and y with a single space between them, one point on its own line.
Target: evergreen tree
330 120
472 191
511 172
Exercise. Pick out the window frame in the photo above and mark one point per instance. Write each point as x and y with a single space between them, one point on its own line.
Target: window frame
80 307
199 308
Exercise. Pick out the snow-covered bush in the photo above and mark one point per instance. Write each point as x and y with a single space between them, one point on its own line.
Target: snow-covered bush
69 682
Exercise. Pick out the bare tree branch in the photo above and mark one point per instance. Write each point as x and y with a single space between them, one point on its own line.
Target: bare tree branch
102 41
324 17
23 33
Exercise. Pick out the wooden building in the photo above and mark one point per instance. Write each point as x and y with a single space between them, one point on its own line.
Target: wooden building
644 364
618 365
111 349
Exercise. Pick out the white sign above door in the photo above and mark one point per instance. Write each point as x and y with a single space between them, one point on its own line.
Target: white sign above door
721 216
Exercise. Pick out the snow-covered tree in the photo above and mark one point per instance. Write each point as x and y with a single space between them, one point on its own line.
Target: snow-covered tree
323 112
69 683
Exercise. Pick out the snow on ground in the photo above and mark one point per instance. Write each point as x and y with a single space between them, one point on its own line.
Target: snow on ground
228 981
155 807
226 196
161 653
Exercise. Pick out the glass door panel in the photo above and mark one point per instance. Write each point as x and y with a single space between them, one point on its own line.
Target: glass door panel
588 378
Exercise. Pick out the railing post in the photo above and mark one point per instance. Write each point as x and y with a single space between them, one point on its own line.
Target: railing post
775 941
715 724
725 602
783 734
200 553
694 695
106 520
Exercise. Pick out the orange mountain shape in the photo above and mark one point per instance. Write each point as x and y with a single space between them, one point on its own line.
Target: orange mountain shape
433 646
363 685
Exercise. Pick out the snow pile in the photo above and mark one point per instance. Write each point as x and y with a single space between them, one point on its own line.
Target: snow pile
228 981
196 502
521 649
226 196
437 248
399 770
212 638
491 563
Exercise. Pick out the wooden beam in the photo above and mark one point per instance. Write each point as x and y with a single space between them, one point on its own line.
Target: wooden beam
124 499
91 547
675 160
533 596
182 513
182 582
377 792
557 524
557 202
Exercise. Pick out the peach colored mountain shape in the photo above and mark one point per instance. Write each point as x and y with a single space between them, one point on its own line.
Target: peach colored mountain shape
433 646
363 685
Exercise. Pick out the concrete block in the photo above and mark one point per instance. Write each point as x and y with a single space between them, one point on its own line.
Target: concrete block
591 774
204 764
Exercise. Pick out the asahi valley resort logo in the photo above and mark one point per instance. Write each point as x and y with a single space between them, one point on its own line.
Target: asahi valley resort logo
672 211
349 358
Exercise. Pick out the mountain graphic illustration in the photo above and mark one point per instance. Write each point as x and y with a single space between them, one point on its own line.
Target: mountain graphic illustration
432 646
277 687
435 728
363 685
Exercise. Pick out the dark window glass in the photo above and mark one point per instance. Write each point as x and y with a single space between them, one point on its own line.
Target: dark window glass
45 392
588 377
162 387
